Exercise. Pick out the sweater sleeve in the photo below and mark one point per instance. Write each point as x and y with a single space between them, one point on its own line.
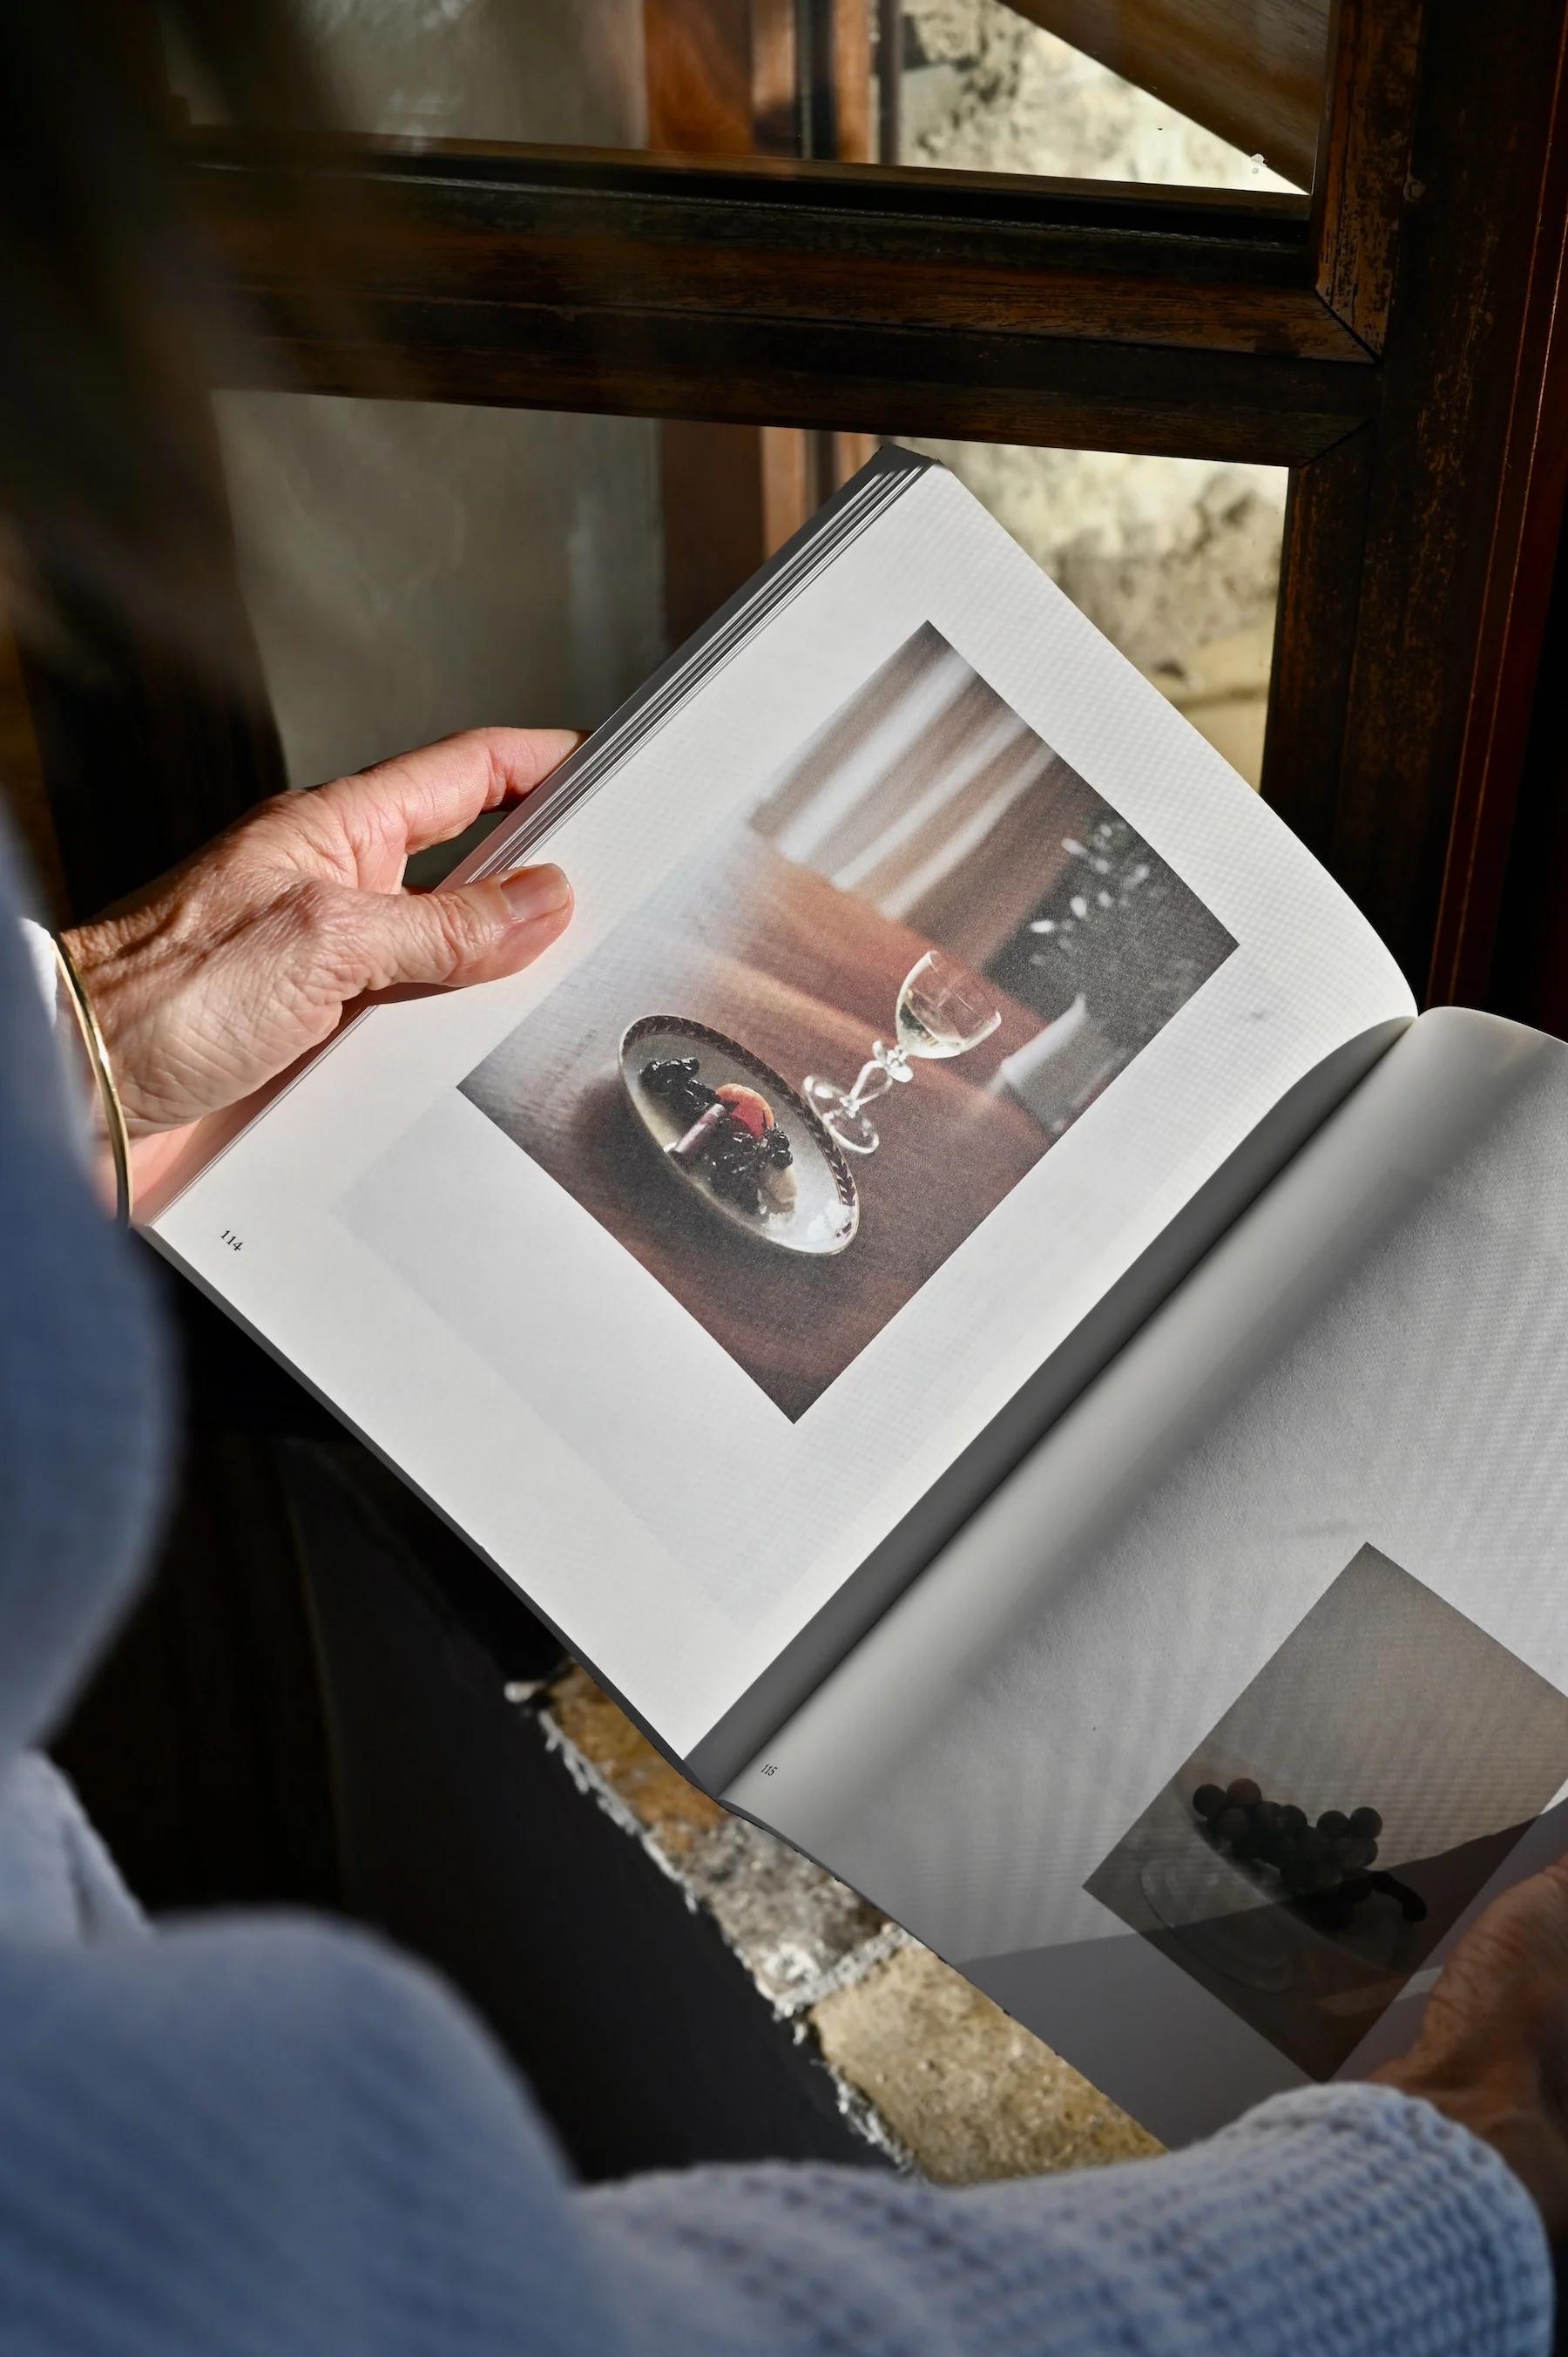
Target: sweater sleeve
249 2141
1348 2222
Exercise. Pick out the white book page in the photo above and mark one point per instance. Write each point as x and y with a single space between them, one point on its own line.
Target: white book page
1307 1530
680 1440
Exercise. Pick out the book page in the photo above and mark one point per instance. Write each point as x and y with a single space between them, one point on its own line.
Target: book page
934 885
1305 1537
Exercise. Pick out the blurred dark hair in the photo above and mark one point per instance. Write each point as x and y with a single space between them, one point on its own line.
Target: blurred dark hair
109 495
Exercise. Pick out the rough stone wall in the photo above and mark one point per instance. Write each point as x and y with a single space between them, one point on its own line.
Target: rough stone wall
986 91
924 2065
1171 557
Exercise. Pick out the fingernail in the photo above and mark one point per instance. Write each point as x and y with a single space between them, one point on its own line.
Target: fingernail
535 892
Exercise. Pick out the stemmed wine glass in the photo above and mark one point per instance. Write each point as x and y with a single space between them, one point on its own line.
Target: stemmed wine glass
939 1013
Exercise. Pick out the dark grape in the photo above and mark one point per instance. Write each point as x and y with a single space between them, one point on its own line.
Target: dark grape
1366 1823
1295 1818
1334 1824
1208 1800
1232 1823
1243 1792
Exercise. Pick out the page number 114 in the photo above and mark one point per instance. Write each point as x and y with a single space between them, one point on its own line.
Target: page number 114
232 1241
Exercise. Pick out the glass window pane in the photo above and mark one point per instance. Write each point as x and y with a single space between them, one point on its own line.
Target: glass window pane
1225 95
412 569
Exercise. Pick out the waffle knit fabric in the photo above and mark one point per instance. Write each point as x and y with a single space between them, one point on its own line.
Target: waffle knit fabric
264 2139
259 2139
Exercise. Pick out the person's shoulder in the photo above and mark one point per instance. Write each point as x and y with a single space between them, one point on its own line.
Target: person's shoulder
303 1969
273 2118
244 2029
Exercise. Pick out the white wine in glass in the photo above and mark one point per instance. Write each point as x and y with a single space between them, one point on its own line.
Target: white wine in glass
939 1013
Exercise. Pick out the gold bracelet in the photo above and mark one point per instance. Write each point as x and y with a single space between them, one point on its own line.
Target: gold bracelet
114 1125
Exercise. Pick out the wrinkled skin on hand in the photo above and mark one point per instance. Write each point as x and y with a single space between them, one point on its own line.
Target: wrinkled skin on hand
221 975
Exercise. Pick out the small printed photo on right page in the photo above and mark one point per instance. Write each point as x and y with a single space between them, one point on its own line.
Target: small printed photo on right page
1327 1834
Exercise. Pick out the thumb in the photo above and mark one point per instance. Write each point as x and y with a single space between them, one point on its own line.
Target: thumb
477 934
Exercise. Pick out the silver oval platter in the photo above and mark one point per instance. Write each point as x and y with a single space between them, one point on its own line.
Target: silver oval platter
826 1212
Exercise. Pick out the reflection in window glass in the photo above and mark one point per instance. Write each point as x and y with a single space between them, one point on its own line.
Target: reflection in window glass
416 568
555 72
412 569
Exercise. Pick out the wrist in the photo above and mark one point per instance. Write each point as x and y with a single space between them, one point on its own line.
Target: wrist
1499 2100
108 956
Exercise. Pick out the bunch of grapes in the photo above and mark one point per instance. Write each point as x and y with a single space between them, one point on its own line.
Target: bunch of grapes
733 1155
675 1079
1325 1868
731 1158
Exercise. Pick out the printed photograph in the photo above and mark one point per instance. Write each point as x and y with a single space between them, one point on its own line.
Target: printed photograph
810 1065
1340 1817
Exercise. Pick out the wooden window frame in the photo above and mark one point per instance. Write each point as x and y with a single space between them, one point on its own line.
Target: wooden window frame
1397 343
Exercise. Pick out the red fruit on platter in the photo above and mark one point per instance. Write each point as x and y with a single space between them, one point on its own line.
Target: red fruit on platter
746 1105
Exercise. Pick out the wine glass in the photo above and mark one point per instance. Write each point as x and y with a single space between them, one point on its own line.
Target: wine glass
940 1013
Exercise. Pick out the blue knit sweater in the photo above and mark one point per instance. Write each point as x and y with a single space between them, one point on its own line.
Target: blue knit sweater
256 2138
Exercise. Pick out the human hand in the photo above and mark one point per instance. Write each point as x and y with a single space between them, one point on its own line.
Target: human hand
1493 2048
219 975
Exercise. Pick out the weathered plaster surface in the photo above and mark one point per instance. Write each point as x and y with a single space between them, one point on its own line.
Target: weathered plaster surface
1169 555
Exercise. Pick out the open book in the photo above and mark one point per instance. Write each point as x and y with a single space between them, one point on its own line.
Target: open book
963 1291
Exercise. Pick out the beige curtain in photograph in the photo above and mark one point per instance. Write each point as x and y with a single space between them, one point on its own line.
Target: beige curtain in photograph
928 797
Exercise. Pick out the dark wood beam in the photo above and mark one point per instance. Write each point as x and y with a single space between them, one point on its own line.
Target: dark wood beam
1443 219
1252 70
720 77
828 296
1315 638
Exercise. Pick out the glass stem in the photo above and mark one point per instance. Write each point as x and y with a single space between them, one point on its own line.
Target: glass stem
887 1065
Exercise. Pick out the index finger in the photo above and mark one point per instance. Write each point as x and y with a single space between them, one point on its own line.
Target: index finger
413 800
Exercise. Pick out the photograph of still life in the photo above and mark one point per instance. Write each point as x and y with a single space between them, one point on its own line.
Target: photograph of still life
809 1066
1334 1824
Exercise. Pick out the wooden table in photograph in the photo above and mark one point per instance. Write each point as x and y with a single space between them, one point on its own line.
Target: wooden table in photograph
806 977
